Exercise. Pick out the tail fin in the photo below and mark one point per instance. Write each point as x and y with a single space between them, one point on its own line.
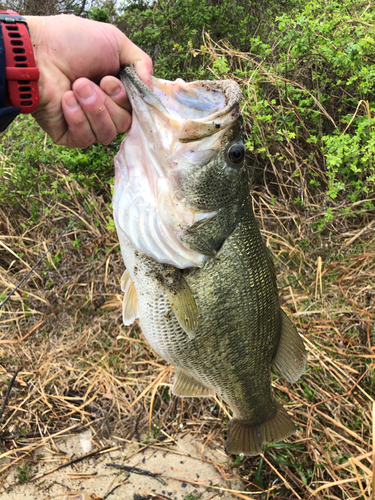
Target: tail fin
248 439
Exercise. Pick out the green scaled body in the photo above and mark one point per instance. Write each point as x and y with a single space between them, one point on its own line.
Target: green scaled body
214 312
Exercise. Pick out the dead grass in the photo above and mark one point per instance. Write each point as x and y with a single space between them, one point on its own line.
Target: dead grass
79 367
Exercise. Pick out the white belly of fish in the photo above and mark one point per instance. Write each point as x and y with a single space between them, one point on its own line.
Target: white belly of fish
158 322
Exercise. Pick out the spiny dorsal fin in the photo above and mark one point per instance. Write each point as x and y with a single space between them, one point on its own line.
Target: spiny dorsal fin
291 355
185 386
184 306
130 302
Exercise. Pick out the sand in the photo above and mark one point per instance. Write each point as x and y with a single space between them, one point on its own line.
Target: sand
91 478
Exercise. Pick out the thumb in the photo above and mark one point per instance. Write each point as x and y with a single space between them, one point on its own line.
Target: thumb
129 53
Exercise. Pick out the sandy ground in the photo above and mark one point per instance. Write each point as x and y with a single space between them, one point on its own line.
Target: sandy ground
180 471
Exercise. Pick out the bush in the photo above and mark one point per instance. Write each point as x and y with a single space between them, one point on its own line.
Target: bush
172 28
307 70
329 48
309 102
30 158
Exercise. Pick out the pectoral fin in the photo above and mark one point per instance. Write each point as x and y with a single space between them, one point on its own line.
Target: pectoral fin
130 301
186 386
184 306
291 355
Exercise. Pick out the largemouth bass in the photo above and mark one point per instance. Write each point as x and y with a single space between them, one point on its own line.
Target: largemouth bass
198 275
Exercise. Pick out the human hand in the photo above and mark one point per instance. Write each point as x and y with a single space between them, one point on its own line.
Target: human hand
81 101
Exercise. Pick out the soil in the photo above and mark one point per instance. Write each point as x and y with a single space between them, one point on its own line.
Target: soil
182 471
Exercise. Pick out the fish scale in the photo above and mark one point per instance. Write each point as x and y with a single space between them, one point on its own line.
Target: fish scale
219 322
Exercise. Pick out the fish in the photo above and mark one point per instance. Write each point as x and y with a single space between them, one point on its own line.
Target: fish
199 276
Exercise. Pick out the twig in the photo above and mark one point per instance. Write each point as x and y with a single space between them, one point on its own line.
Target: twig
10 437
27 334
236 493
73 461
8 391
114 489
136 470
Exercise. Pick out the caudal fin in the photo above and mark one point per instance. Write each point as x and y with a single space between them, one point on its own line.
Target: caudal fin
248 439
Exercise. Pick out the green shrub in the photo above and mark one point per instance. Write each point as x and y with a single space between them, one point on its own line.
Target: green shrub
100 14
29 159
172 28
309 102
307 70
329 48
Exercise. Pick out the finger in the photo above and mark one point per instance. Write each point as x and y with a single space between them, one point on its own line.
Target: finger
129 53
144 69
78 133
115 90
90 98
105 116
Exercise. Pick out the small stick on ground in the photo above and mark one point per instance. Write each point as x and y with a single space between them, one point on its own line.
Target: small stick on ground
73 461
8 391
114 489
136 470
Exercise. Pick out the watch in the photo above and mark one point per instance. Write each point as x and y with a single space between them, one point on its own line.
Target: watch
21 74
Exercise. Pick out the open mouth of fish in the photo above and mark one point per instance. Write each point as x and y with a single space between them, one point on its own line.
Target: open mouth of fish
175 128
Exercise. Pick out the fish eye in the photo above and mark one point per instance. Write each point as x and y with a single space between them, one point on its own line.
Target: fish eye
236 153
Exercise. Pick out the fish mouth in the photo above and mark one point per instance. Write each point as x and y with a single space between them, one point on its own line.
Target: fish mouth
176 126
195 110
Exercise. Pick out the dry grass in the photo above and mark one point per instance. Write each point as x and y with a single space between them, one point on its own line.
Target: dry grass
80 367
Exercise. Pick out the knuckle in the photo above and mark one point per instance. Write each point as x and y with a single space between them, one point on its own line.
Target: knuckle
107 136
124 125
81 141
108 141
88 142
148 60
99 110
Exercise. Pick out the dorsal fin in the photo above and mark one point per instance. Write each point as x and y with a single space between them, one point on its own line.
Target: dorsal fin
291 355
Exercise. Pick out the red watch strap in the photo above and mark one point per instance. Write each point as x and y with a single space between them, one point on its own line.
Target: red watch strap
21 73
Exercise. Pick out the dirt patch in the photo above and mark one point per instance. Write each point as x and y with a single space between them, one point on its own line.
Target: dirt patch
181 472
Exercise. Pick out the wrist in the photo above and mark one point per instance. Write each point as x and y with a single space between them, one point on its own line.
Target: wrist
35 25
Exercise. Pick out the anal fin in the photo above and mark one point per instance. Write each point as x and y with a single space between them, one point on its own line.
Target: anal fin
291 355
130 301
248 438
186 386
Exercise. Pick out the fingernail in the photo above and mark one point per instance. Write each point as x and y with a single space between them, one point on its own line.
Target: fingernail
85 91
113 89
71 101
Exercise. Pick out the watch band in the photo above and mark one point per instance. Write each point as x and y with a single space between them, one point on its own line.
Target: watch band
21 73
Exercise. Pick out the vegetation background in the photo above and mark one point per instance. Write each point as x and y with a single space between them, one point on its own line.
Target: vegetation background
307 72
